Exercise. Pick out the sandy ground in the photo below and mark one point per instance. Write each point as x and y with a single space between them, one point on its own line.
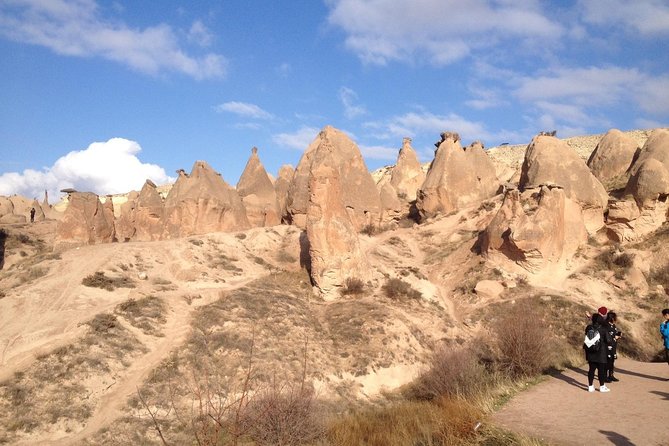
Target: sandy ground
562 412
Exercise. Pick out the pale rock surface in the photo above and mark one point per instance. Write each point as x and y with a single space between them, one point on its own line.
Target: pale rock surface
626 222
489 288
85 221
257 193
39 212
7 214
536 228
281 186
457 178
202 202
334 248
358 191
612 156
549 160
649 178
147 215
407 175
392 207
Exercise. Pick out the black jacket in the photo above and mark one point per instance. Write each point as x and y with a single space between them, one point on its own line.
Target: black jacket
613 330
605 341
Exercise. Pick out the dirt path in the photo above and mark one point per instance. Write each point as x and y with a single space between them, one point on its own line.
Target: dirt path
562 412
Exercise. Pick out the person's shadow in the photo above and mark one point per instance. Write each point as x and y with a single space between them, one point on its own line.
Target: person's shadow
568 379
664 395
617 439
640 375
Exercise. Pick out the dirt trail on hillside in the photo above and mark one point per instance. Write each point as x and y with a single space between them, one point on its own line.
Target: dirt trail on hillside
562 412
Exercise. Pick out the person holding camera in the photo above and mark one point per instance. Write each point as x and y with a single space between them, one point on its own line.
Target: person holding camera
611 319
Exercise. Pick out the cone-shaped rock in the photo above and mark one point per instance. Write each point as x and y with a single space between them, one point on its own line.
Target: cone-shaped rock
612 156
334 248
39 212
457 178
535 228
650 172
359 193
258 194
85 221
148 213
407 175
282 185
202 202
7 214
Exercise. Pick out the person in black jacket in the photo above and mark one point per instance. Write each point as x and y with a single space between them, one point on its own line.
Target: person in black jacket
597 360
615 334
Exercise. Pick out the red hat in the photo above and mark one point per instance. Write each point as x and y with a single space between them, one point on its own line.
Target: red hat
602 311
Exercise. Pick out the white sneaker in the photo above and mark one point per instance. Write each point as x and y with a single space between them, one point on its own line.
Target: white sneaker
591 388
604 388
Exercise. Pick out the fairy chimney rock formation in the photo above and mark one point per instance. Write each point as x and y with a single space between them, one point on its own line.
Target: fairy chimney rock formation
358 191
257 192
649 180
535 228
85 221
39 212
334 247
407 175
457 178
147 215
551 160
202 202
612 156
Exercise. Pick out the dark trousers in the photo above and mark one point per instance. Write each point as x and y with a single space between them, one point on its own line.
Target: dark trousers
601 372
609 366
666 354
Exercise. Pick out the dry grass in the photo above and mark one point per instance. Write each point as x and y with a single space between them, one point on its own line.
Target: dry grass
353 286
99 280
398 289
147 314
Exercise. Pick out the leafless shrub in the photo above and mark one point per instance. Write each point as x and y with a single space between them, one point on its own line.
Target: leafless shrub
660 275
103 323
523 340
145 313
395 288
369 229
353 285
99 280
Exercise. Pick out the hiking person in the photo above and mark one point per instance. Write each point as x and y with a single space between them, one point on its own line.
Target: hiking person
32 215
597 341
612 355
664 330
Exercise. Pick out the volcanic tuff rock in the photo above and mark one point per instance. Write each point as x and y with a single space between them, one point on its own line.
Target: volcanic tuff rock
202 202
549 160
258 194
358 191
281 186
650 172
85 221
146 214
535 228
334 248
407 175
612 156
626 222
457 178
39 212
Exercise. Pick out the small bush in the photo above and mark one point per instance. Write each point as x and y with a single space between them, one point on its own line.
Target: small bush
369 229
660 276
103 323
99 280
353 285
523 340
397 289
196 241
624 260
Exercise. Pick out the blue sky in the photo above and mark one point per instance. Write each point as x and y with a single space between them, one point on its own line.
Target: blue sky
102 95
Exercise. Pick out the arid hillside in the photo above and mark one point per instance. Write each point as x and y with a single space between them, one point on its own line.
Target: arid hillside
220 337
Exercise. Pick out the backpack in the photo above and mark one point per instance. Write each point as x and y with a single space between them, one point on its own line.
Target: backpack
592 342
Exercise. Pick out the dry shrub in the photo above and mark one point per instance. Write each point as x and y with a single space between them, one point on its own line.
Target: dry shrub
450 422
145 313
660 275
103 323
370 230
353 285
523 340
451 372
398 289
283 415
99 280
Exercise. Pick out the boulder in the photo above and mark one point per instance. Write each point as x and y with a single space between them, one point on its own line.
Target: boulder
549 160
489 289
627 222
457 178
202 202
407 175
358 191
85 221
649 179
535 228
281 186
612 156
257 193
334 248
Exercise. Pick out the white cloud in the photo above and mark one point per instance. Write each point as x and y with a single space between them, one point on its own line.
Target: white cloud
244 109
199 34
104 168
440 31
379 152
299 139
75 28
648 17
348 99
